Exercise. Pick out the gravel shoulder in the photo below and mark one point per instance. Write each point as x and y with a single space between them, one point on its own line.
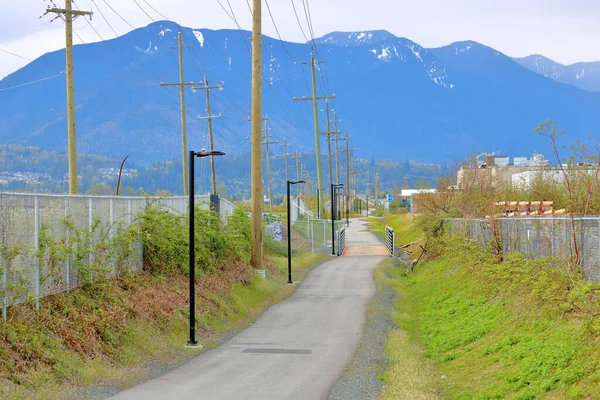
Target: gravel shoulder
362 378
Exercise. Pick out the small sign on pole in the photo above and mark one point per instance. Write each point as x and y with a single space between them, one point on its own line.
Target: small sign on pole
390 198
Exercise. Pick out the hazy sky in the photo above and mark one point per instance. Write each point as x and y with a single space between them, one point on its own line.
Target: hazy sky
564 30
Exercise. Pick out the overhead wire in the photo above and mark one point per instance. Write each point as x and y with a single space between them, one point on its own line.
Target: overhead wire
299 23
104 18
119 15
155 10
144 11
16 55
278 34
32 82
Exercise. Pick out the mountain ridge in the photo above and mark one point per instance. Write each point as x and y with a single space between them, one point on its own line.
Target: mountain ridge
427 105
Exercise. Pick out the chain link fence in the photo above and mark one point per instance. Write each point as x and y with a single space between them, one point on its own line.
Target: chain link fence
537 237
54 243
316 233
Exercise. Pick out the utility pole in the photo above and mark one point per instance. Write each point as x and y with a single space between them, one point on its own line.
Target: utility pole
348 171
68 14
266 142
256 250
337 160
314 99
329 133
298 170
210 117
286 156
376 189
182 85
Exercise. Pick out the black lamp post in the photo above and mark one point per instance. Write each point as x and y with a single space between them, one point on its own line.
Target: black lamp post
334 187
289 233
193 154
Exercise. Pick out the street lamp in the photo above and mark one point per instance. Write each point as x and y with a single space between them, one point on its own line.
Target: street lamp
334 186
200 154
289 233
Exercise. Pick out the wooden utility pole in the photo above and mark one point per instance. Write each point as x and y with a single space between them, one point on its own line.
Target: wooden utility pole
337 160
348 171
376 189
329 133
298 172
256 256
210 117
314 99
266 142
68 15
286 156
347 175
182 85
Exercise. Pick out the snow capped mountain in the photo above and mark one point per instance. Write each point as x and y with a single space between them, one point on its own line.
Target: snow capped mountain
584 75
425 104
543 66
385 47
347 39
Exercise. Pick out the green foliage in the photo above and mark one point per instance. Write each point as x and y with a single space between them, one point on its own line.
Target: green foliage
514 329
165 237
240 226
403 225
274 247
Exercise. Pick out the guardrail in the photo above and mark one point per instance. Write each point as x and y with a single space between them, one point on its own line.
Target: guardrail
341 241
390 239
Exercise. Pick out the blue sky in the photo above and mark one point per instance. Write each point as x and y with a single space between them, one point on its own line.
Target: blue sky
564 30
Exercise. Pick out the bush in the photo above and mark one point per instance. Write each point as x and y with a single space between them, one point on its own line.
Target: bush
165 237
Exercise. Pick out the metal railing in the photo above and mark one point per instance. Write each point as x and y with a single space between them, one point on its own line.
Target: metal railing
341 242
54 243
537 237
390 240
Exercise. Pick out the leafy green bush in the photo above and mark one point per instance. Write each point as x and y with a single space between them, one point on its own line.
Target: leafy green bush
165 238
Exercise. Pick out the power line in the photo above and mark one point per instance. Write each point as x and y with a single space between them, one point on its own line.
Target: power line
299 23
16 55
104 18
32 82
277 30
119 15
144 11
155 10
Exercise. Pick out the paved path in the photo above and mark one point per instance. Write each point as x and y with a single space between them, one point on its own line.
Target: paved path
296 350
362 243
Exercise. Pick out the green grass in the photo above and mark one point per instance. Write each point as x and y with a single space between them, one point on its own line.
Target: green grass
516 330
403 226
56 370
409 375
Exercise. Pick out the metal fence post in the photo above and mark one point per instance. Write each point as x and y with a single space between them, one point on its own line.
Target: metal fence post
91 230
36 241
129 212
3 243
312 235
553 236
111 232
68 260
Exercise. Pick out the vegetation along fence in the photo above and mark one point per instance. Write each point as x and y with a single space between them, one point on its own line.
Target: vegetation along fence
53 243
557 237
316 232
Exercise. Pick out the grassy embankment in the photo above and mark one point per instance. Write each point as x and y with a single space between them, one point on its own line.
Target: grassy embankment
119 332
403 225
471 327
